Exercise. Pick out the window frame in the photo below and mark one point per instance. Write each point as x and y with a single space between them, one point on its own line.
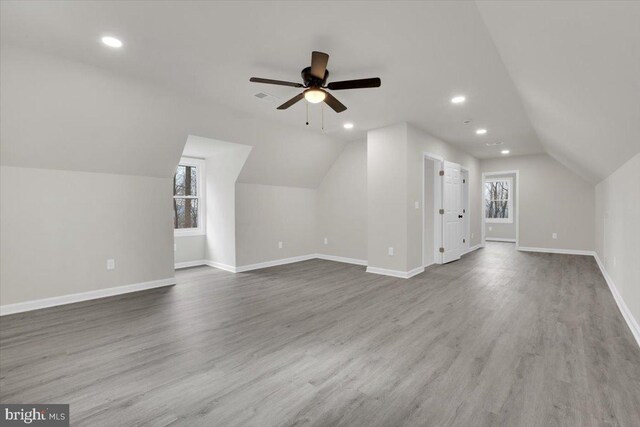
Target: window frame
199 164
509 219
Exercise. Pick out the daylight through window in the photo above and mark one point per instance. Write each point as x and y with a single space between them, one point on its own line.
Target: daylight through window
187 203
497 200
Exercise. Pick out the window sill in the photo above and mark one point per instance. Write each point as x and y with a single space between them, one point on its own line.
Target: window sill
188 232
498 221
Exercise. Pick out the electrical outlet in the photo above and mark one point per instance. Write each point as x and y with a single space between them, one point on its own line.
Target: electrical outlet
472 235
490 228
279 245
390 251
417 205
175 247
554 235
614 261
326 241
111 264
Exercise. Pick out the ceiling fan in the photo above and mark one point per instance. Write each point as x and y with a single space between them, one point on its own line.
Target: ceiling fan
314 80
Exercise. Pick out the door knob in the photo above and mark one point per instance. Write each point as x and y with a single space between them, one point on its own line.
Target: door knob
459 216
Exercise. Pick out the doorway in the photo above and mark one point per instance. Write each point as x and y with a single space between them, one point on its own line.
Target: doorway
446 225
500 207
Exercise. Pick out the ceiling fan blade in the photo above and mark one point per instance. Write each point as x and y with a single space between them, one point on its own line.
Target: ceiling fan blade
274 82
292 101
355 84
319 64
332 102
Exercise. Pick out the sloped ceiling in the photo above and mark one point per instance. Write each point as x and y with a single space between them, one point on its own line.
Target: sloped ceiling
560 77
576 66
59 114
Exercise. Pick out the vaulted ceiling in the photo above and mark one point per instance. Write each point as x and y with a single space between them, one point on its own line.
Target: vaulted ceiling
540 76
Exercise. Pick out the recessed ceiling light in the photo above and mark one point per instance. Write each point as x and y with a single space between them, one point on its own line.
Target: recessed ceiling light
458 99
505 152
348 125
481 131
111 42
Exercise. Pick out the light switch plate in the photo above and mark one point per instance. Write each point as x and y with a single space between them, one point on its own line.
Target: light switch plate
326 241
554 235
111 264
390 251
279 245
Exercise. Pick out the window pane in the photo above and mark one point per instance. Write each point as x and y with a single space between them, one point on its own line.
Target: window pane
185 213
496 190
185 181
496 209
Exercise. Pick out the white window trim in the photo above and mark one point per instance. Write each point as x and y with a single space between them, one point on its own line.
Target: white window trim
201 174
508 220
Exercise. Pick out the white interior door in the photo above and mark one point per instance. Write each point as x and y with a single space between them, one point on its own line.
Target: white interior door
453 217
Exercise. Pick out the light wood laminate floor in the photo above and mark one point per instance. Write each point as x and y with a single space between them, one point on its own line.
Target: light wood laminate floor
497 338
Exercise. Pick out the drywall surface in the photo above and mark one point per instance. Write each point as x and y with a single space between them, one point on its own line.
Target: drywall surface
267 215
112 123
618 231
189 248
222 171
553 199
504 230
59 228
387 197
342 205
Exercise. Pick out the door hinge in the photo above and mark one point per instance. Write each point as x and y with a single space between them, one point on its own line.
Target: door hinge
441 250
464 180
464 211
441 211
464 241
441 173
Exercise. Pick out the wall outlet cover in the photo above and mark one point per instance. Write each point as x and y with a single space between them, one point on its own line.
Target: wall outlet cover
326 241
111 264
280 245
390 251
554 235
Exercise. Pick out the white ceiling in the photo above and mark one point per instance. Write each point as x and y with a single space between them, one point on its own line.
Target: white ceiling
425 52
577 69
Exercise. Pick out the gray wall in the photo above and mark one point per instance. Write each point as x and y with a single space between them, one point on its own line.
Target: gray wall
342 205
266 215
618 231
553 199
189 248
394 184
500 230
59 228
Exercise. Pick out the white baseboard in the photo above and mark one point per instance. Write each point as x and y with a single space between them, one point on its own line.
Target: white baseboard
395 273
499 239
221 266
473 248
557 251
83 296
342 259
273 263
187 264
626 313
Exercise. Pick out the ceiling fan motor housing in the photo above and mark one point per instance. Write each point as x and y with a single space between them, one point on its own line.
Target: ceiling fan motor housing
312 81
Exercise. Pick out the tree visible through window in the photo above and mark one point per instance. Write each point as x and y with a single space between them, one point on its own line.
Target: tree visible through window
185 197
497 200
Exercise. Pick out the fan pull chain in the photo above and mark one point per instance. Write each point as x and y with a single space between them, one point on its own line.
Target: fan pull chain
307 103
323 117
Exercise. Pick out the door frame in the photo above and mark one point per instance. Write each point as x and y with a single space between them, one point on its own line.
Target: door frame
486 175
437 205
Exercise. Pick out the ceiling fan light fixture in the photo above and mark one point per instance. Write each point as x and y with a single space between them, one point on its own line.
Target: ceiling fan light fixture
314 96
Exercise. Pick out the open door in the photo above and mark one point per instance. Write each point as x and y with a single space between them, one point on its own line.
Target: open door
453 215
